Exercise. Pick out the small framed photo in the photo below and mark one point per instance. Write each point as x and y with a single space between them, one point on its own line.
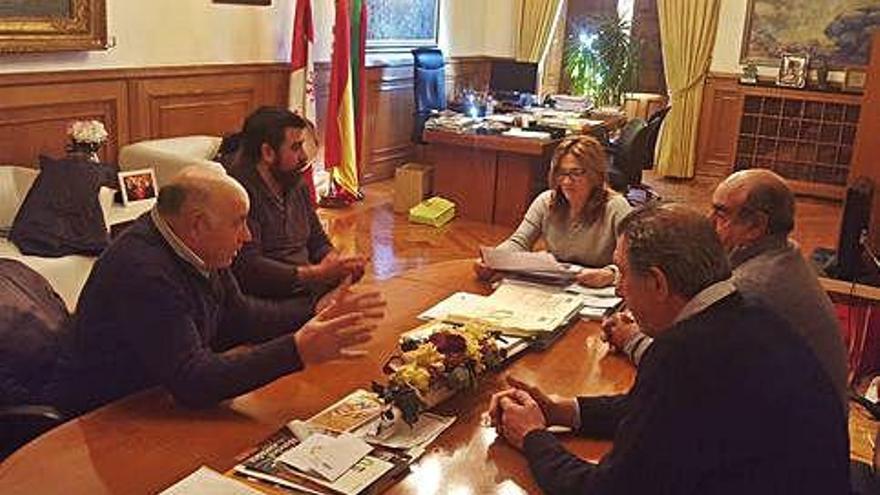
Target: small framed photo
137 186
793 71
854 79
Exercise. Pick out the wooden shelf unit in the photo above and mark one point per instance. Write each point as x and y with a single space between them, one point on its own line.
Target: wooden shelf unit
805 136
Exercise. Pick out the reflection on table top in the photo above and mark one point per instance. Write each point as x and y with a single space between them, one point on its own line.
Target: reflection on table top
144 443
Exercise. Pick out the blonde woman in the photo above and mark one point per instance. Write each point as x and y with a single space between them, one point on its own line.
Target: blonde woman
578 217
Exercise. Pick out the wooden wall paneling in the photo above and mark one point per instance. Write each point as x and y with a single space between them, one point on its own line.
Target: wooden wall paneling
388 124
866 153
34 117
170 107
459 174
519 179
719 126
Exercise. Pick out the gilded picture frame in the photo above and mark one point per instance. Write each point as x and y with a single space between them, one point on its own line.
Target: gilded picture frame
52 25
838 31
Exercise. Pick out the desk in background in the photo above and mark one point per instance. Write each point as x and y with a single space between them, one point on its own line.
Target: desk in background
493 178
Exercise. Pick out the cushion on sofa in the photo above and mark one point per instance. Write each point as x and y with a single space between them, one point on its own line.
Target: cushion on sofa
14 185
167 157
61 214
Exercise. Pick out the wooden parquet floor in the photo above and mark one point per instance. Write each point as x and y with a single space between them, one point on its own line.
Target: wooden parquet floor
393 245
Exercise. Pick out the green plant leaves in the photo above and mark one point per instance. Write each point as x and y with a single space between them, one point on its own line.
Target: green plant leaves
602 61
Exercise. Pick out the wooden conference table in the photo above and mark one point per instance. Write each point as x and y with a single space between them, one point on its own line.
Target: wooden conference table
144 443
490 177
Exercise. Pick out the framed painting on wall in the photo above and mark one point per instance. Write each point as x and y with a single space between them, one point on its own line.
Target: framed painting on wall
245 2
837 30
396 25
52 25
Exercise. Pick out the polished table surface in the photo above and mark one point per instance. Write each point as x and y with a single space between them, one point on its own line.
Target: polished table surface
144 443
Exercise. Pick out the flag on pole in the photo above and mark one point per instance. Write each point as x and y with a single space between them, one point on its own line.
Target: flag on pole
359 68
302 90
340 136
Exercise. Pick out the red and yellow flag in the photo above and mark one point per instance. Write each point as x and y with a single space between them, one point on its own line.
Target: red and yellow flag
341 140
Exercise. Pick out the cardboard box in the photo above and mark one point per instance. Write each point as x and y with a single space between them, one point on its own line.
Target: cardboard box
435 211
412 184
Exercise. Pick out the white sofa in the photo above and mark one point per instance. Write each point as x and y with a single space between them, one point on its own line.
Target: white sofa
67 274
169 156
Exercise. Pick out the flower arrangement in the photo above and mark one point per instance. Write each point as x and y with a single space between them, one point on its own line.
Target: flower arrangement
430 369
86 136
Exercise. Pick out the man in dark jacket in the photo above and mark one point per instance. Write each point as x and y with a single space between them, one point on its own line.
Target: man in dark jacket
289 253
162 308
728 399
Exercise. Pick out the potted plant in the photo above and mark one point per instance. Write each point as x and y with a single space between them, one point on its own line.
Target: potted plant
601 60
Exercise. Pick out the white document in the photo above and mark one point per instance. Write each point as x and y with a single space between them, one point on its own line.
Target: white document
521 261
517 132
601 302
530 307
206 481
588 313
402 436
576 288
327 456
458 304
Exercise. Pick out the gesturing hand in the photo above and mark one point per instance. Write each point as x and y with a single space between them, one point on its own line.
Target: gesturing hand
331 334
334 267
344 300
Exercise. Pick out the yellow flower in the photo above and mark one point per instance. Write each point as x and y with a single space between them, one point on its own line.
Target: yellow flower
414 376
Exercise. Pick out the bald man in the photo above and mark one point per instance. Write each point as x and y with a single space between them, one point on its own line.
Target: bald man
753 214
161 307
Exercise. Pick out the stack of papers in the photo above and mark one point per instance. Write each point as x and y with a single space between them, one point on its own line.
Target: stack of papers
540 265
326 456
516 308
598 302
273 461
572 103
517 132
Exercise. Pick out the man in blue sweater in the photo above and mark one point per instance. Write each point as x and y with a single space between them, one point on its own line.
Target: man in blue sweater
728 400
162 308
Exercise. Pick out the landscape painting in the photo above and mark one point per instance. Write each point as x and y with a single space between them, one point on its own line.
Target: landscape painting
34 8
837 30
397 23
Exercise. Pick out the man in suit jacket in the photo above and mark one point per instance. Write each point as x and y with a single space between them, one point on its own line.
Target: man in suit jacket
753 214
728 400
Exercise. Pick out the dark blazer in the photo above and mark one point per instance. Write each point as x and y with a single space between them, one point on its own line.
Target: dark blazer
729 401
146 317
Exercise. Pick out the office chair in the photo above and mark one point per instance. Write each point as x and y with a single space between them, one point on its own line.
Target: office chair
632 154
22 423
430 86
624 154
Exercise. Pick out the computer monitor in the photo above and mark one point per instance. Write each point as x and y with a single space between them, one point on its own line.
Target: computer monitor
510 77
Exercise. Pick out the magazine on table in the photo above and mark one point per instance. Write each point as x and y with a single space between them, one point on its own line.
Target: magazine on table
372 473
